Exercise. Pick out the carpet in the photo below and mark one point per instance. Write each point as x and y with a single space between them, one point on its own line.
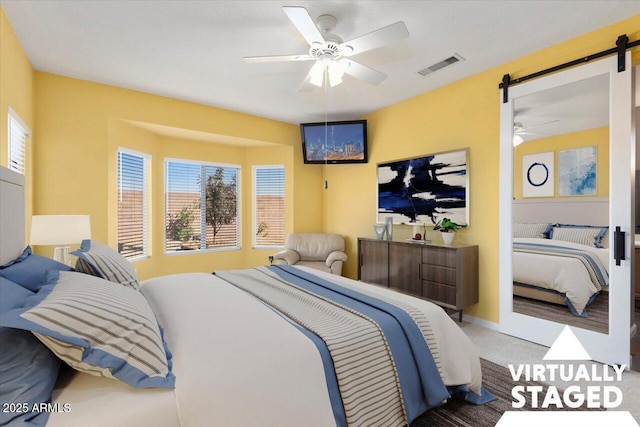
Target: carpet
458 413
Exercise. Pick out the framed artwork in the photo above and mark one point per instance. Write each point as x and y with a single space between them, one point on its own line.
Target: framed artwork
578 171
538 175
425 189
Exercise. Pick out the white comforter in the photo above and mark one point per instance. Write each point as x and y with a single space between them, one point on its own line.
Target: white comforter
237 363
561 274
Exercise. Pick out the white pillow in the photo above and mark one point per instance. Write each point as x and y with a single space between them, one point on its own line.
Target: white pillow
588 236
532 230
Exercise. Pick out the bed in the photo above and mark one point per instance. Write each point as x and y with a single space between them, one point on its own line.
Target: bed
226 357
560 253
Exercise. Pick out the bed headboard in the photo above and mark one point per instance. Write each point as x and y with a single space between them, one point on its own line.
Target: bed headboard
12 221
583 211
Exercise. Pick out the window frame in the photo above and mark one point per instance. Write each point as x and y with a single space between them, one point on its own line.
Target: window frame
12 116
254 224
202 226
146 204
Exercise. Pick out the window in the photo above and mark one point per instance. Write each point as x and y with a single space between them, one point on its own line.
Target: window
133 203
268 205
18 135
202 206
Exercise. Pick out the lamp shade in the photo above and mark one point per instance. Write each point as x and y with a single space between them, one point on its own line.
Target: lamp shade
59 229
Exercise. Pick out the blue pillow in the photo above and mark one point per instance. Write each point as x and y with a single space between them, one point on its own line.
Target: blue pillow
30 270
12 295
29 371
98 328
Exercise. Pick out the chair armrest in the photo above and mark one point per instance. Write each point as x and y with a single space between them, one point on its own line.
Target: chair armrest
289 256
335 256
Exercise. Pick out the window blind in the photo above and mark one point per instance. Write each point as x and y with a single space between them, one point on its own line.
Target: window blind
132 204
269 206
18 135
201 207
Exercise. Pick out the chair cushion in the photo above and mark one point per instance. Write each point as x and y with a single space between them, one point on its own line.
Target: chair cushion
315 246
318 265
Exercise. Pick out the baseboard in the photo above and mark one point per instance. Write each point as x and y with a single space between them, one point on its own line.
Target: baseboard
481 322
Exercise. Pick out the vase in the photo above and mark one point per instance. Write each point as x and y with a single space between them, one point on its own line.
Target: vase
379 229
448 238
389 223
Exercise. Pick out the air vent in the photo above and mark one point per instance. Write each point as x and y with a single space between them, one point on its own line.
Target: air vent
440 65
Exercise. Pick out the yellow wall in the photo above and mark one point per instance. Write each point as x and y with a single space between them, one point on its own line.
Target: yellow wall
81 125
16 91
598 137
77 126
462 114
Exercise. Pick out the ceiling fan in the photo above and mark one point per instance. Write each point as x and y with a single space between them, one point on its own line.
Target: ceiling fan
330 53
519 130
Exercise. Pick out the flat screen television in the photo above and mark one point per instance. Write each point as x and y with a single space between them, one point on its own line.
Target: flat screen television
334 142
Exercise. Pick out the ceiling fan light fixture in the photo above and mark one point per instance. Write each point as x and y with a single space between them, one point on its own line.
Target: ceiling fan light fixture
335 71
517 140
317 78
335 78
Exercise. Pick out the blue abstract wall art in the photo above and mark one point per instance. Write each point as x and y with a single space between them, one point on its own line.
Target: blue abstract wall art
424 189
578 172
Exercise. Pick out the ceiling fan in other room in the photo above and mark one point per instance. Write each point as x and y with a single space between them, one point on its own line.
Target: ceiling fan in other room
520 132
330 53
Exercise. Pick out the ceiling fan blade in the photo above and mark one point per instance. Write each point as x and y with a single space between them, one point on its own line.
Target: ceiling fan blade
541 124
530 133
278 58
303 22
375 39
363 72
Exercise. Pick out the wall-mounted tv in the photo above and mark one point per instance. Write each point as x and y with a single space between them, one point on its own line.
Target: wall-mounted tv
334 142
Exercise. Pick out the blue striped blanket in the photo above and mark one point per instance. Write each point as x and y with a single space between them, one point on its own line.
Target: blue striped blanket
376 354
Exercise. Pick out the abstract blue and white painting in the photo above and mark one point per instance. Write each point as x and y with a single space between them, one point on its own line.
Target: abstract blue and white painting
424 189
577 170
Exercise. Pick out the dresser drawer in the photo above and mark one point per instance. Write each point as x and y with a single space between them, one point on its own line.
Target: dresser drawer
443 294
438 274
439 256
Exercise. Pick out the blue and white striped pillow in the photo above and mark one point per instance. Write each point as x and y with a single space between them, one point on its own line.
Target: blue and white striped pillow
582 234
97 328
102 261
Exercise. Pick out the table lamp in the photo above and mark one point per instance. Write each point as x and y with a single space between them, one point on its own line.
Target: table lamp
60 230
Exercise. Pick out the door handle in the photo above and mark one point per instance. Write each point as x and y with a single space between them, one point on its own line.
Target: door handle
619 245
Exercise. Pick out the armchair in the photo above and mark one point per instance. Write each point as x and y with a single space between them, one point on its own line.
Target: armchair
316 250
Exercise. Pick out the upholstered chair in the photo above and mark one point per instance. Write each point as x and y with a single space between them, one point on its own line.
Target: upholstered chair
316 250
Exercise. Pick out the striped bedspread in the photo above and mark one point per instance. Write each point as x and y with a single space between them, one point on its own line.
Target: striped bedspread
378 361
595 268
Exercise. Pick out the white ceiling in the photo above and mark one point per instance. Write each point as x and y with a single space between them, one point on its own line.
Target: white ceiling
192 50
564 109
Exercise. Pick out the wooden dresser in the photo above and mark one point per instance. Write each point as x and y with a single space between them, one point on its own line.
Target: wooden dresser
444 275
637 278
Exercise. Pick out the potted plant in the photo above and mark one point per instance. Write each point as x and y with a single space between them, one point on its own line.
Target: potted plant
447 228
